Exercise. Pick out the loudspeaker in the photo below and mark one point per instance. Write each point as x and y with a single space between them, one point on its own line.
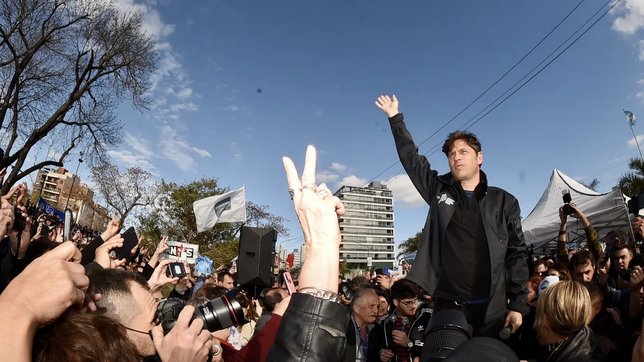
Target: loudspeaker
255 262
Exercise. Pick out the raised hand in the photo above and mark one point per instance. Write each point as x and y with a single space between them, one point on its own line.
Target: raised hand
159 278
102 254
388 105
112 228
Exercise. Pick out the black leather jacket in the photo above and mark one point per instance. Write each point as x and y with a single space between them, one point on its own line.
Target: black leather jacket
312 330
380 337
581 347
501 220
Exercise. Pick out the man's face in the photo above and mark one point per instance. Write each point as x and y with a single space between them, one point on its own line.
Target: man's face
540 269
144 320
464 161
584 273
622 259
367 310
406 307
228 283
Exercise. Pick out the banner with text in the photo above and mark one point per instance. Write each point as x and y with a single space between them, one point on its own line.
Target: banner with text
182 251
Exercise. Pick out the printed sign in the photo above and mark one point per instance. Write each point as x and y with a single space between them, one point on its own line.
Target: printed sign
179 251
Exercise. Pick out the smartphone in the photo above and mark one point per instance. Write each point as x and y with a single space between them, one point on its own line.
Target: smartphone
177 270
67 230
379 271
129 242
288 280
609 250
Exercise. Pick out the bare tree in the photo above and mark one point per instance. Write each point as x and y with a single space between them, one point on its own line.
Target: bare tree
65 65
124 191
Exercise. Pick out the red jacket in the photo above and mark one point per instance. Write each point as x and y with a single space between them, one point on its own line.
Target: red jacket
257 349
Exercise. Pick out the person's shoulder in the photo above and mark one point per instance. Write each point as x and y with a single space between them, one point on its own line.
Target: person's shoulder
497 191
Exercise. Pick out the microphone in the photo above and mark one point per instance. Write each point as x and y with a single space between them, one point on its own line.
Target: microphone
506 332
405 322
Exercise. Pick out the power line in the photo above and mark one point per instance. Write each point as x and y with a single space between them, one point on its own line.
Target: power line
544 67
490 87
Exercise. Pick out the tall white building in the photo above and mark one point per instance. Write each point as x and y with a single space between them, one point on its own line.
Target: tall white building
297 259
303 253
367 227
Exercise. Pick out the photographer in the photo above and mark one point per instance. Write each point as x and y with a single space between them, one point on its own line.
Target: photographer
592 240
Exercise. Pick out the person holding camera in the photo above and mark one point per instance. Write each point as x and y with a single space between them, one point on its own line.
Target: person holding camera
592 240
472 255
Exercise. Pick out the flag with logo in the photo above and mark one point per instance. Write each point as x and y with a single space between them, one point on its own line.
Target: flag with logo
630 117
229 207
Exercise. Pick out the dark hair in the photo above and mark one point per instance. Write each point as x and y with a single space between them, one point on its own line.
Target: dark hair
621 246
580 258
540 262
84 337
210 292
595 291
222 275
245 302
272 298
360 282
387 297
469 138
561 268
116 295
38 247
404 289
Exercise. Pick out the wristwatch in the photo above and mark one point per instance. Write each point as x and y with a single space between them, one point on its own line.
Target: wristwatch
410 344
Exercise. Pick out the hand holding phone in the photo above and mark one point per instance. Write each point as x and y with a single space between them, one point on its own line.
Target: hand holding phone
129 242
177 270
288 280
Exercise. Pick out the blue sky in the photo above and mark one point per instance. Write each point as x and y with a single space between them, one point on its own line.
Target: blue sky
242 83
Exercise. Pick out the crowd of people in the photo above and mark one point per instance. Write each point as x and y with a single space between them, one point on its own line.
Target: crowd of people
474 292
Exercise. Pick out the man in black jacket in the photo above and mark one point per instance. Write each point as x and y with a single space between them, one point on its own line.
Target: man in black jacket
472 255
400 337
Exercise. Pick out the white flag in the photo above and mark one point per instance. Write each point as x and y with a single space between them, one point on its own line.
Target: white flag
229 207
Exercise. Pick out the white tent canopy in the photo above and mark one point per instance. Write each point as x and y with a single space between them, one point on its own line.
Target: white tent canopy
604 211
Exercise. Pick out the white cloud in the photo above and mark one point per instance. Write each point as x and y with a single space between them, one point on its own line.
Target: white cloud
338 167
229 99
221 86
189 106
53 154
231 108
640 95
202 153
614 160
633 16
641 81
631 143
185 93
152 23
352 181
404 191
326 176
129 159
139 145
237 158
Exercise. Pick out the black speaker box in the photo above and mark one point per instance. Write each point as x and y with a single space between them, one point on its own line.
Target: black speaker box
255 262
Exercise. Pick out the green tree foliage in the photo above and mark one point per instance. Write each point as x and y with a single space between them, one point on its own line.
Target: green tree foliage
173 215
410 245
632 182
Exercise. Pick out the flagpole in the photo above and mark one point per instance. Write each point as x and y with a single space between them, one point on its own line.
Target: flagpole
631 122
637 143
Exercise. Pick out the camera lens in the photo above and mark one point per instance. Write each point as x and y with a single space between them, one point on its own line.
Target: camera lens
221 313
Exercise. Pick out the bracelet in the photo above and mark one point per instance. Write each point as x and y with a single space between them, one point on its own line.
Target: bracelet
321 293
216 353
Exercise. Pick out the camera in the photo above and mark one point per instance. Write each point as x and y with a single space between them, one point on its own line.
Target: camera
567 199
625 274
346 290
216 314
19 221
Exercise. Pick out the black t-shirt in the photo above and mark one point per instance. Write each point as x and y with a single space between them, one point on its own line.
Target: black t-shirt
465 276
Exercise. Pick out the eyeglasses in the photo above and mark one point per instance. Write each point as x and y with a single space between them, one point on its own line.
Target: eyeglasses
410 304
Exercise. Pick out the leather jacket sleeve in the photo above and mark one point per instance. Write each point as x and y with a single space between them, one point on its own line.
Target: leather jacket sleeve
516 262
416 166
312 330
